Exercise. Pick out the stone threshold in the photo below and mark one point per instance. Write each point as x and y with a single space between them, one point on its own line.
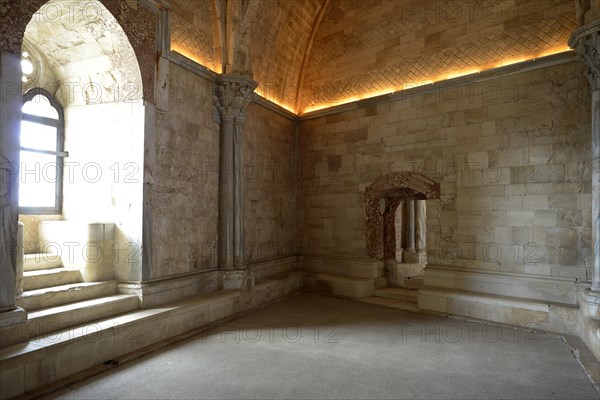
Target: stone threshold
42 363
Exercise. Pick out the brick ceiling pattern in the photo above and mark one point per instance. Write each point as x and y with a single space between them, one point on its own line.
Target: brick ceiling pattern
191 29
279 38
386 44
361 47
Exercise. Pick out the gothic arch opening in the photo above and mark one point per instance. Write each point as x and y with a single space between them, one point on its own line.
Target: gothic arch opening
81 57
395 208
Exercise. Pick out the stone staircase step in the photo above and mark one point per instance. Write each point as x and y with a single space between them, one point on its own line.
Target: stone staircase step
414 282
344 285
61 317
37 261
75 349
391 303
44 278
404 294
64 294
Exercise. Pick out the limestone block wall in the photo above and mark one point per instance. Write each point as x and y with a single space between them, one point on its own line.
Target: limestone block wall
512 155
269 184
184 195
184 189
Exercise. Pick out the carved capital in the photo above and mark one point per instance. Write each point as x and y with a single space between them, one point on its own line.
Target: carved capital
586 41
233 93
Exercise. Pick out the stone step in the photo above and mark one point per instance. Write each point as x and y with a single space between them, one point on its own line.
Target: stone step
37 261
65 294
404 294
414 282
344 285
61 317
548 316
45 278
60 354
55 356
391 303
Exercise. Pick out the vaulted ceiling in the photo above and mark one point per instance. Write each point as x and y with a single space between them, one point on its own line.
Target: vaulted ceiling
311 54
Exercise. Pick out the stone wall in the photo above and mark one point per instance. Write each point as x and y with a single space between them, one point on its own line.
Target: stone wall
512 155
184 189
269 185
186 179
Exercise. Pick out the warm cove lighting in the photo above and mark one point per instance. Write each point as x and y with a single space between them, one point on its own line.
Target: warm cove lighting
187 54
262 94
447 76
367 95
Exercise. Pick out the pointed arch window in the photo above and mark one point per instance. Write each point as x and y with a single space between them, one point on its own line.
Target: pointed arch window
42 154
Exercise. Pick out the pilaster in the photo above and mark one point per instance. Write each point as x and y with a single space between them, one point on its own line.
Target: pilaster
233 95
586 41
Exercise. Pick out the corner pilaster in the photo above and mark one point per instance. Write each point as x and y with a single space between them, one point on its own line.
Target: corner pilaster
586 41
233 95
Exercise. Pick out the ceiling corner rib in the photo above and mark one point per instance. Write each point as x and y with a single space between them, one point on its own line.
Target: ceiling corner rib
307 53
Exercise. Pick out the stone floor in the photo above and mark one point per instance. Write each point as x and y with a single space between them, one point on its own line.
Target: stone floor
311 346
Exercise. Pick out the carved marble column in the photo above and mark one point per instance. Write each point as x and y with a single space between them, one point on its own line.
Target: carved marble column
420 220
586 40
410 225
400 235
233 94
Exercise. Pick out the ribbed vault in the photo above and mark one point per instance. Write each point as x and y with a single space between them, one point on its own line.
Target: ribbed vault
311 54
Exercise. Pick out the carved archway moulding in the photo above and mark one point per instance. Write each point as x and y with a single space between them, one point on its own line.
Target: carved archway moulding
408 184
138 23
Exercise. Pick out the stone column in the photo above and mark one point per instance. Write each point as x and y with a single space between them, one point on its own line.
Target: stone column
421 233
586 40
233 94
420 224
398 224
10 125
410 225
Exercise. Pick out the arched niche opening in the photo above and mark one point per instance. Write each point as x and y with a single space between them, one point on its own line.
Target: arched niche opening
395 208
81 57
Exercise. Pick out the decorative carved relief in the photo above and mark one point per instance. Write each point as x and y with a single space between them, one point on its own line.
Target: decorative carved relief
586 41
404 184
233 94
